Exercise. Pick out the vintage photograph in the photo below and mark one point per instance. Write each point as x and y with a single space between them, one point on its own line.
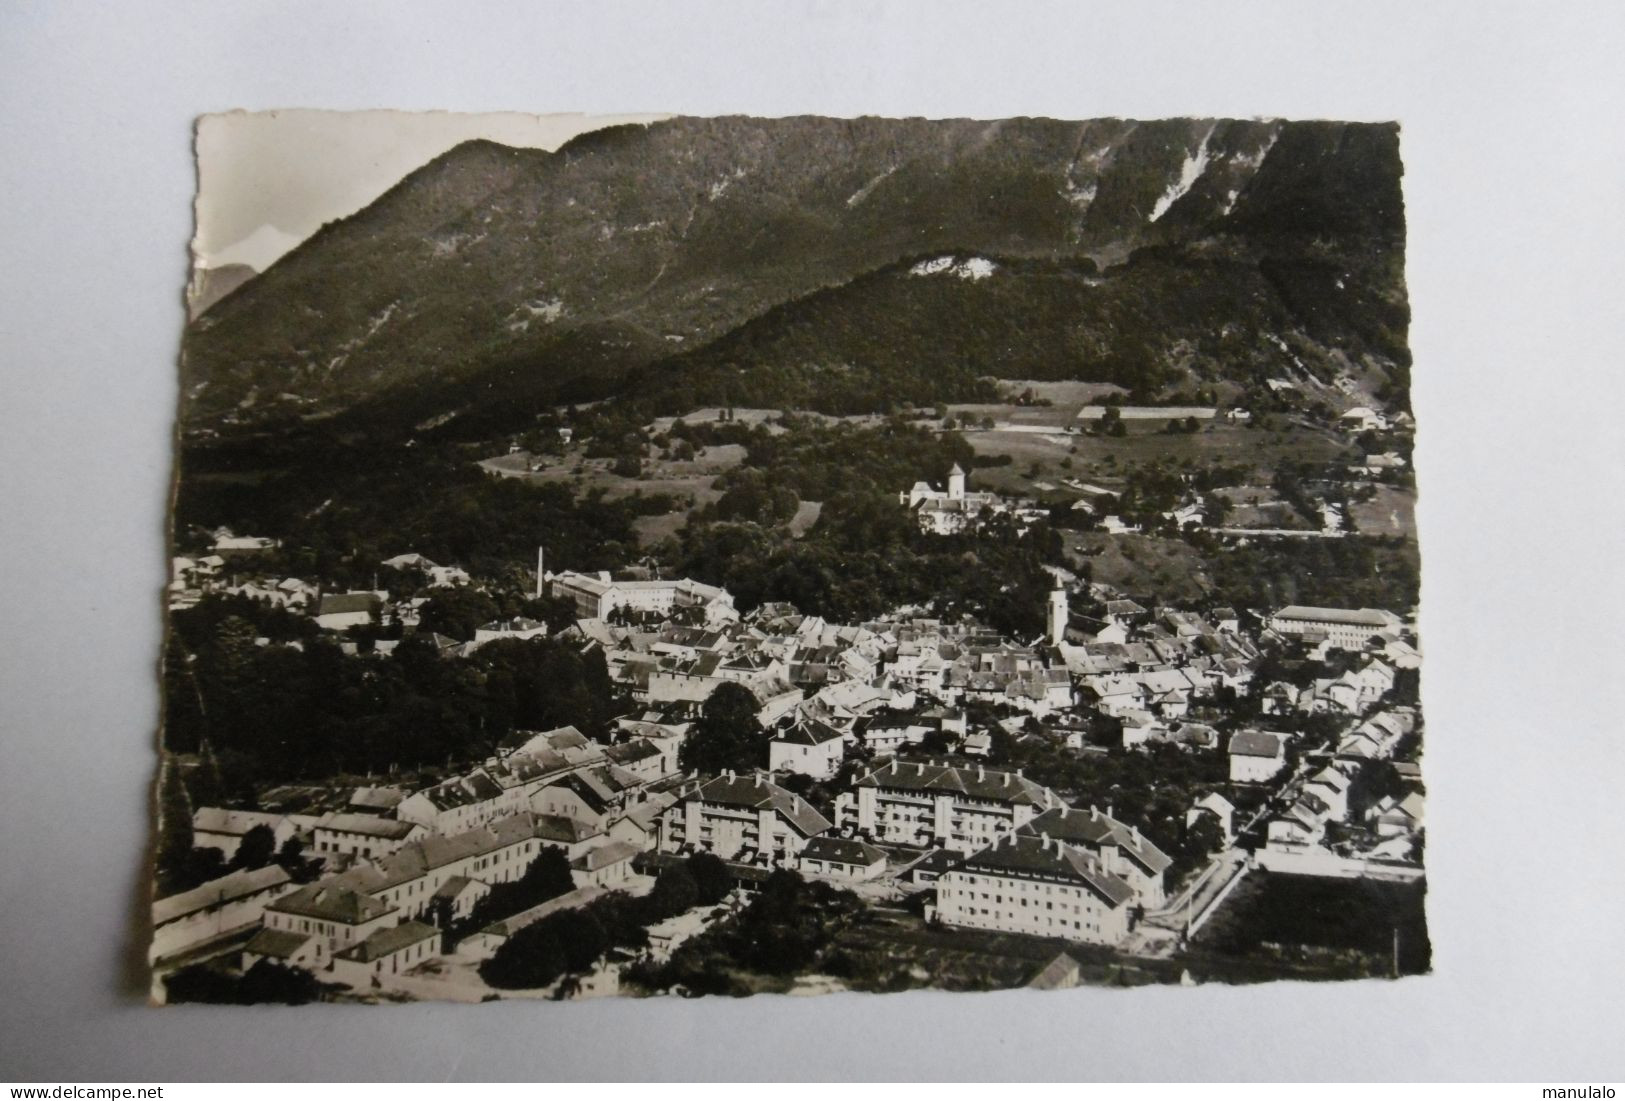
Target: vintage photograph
661 555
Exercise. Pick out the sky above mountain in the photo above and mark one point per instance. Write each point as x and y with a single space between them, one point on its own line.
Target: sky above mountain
269 179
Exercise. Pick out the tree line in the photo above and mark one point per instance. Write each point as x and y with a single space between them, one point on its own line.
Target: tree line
277 713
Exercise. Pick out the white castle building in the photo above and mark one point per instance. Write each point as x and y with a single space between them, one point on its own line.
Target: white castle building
943 513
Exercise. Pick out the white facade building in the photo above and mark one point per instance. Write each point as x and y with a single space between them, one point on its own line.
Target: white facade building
811 748
217 908
363 835
939 805
741 818
596 596
1348 628
1116 847
1039 886
386 952
1255 756
943 512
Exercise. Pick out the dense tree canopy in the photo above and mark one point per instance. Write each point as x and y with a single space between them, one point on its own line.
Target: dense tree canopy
277 713
727 735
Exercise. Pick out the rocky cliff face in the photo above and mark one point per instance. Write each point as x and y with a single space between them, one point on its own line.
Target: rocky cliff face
634 245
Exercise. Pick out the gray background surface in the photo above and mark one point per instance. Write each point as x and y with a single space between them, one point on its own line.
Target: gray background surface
1514 195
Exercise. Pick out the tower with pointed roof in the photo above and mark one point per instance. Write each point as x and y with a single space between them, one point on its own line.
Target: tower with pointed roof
956 484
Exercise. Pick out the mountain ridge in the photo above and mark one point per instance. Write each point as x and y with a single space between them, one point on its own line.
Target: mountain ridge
631 245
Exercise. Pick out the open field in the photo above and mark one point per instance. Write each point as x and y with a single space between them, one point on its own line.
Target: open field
1060 393
714 416
689 481
1257 506
1030 416
973 959
1346 923
653 530
1099 459
1149 412
807 513
1391 512
708 460
1171 568
753 417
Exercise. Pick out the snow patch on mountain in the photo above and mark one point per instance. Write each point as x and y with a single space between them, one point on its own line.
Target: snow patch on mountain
1293 356
1253 160
545 310
721 186
1079 195
380 320
1189 173
862 193
451 245
974 268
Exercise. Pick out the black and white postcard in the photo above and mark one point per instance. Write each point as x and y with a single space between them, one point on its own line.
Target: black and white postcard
718 556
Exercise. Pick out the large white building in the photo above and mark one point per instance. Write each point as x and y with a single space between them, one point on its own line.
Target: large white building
331 919
1348 628
386 952
219 907
596 596
1256 756
943 512
1035 884
1118 848
811 748
363 835
743 818
323 924
947 806
224 829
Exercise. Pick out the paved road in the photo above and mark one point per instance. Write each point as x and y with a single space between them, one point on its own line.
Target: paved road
1190 902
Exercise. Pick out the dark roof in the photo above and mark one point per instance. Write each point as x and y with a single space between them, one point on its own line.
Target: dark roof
482 786
809 732
474 788
278 944
605 855
1255 743
339 603
1024 855
756 793
453 887
979 783
234 823
591 790
368 824
937 860
639 749
386 942
1358 617
1094 829
379 798
507 626
331 903
558 827
417 858
841 850
218 892
1060 973
565 737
